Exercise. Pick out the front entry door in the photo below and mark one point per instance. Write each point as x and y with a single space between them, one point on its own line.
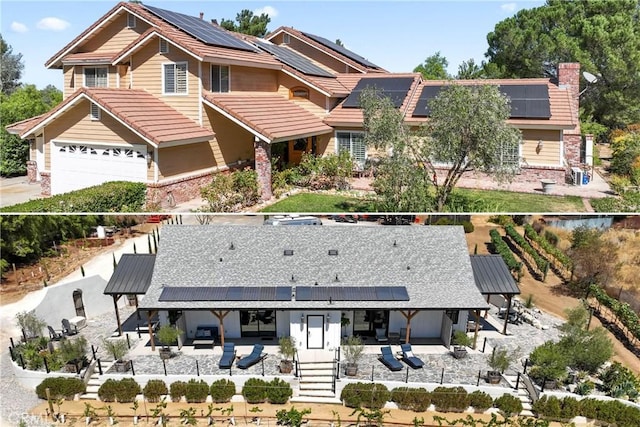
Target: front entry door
315 332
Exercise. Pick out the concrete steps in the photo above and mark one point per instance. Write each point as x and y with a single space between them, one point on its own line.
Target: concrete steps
316 379
94 383
522 394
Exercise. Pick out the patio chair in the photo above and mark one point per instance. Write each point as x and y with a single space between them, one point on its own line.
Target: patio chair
389 359
409 358
68 328
381 335
54 335
228 355
253 358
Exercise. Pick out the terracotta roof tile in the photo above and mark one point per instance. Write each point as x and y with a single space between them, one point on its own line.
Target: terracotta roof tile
139 110
89 57
270 115
18 128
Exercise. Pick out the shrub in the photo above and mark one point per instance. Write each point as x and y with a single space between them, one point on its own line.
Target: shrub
548 362
279 391
367 395
450 399
177 390
196 391
548 243
255 390
548 407
231 192
222 391
325 172
107 391
551 237
411 399
154 389
480 401
60 387
508 404
501 219
540 262
500 247
116 196
468 226
127 390
584 388
569 408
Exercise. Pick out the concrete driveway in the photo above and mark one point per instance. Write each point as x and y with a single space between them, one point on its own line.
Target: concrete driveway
17 190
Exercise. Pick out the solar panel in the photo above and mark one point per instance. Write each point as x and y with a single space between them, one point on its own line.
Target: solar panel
341 49
400 293
394 88
283 293
427 94
200 29
352 293
293 59
303 293
233 293
383 293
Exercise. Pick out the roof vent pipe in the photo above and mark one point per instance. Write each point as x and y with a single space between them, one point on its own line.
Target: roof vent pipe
232 247
395 243
337 280
201 15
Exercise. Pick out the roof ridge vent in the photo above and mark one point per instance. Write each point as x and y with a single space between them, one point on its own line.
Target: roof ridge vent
288 252
333 252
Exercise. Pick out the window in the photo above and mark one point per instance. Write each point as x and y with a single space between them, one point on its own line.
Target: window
96 77
175 78
94 111
219 78
300 144
509 156
131 21
164 46
353 143
286 38
299 92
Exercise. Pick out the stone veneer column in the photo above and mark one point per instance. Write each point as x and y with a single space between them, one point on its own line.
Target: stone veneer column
263 167
569 79
45 183
32 171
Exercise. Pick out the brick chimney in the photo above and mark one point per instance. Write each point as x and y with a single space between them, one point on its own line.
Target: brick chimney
569 80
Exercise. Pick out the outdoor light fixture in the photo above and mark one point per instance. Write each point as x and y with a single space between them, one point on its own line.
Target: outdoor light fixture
149 158
539 146
301 317
328 316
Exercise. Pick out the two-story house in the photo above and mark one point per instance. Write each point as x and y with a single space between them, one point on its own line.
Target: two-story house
159 97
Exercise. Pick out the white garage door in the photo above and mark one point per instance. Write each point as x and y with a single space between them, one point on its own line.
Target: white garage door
76 166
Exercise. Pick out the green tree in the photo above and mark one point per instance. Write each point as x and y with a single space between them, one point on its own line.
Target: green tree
247 23
594 258
11 67
23 103
587 350
434 67
549 362
470 70
604 36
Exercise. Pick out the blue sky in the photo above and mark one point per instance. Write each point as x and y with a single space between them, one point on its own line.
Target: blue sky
396 35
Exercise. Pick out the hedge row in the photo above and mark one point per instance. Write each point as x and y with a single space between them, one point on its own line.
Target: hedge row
60 387
547 246
610 411
541 263
124 390
256 390
503 250
622 310
116 196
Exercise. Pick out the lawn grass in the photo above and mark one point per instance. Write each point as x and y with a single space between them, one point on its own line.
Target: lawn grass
464 200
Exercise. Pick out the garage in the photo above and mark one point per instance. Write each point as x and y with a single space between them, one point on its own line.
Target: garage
75 166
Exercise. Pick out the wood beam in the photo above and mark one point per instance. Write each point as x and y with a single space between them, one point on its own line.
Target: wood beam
221 315
477 328
116 297
410 314
506 317
150 314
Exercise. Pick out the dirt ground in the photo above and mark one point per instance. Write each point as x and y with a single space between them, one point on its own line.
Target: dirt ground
321 414
549 296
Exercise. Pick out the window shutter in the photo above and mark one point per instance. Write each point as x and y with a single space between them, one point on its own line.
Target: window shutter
286 39
169 79
181 78
164 46
95 111
131 21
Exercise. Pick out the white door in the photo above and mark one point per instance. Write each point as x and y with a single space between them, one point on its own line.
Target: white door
76 166
39 156
315 331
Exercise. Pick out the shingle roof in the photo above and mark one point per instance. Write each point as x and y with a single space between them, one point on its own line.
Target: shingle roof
269 116
132 276
137 109
431 262
492 275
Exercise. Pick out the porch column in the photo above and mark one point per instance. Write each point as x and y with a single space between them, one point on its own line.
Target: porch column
506 317
116 297
221 315
408 315
150 314
477 328
263 167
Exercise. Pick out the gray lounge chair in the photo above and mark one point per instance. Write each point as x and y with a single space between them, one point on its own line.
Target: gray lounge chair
54 335
253 358
409 358
228 356
68 328
389 359
381 335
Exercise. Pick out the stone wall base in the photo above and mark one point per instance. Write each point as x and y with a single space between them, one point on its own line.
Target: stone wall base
532 174
45 183
32 171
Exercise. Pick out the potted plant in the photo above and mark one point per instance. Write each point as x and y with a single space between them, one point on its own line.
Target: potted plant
288 351
352 349
73 353
499 361
167 335
460 343
118 349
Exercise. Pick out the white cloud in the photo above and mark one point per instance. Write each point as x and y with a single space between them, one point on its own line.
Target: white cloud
508 7
18 27
269 10
51 23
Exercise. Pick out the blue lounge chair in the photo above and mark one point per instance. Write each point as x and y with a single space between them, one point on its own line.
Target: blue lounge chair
228 355
409 358
389 359
250 360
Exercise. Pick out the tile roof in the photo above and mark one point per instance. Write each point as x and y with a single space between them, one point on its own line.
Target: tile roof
89 57
139 110
341 116
132 275
18 128
431 262
269 116
560 105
